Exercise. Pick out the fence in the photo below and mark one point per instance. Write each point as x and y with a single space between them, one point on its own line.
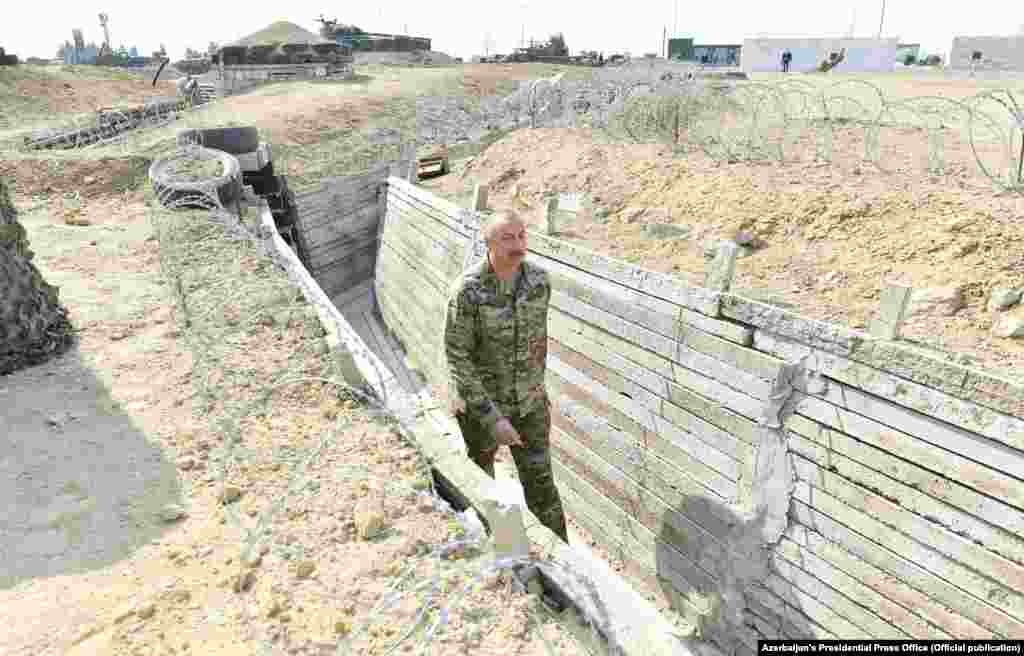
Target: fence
768 475
793 120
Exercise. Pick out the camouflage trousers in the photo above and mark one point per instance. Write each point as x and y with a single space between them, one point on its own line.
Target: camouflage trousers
533 462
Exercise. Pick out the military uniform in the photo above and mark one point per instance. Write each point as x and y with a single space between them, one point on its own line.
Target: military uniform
496 348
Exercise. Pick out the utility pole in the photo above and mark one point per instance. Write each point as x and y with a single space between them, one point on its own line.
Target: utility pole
881 21
664 42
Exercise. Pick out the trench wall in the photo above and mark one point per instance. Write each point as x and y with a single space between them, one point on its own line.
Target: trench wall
767 475
236 79
337 223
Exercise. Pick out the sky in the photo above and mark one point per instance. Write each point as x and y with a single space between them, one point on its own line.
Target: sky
461 28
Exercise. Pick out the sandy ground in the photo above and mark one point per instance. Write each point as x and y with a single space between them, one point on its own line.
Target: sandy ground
829 235
113 539
107 437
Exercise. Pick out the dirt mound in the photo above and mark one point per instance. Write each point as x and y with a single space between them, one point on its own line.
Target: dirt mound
832 237
90 178
36 92
280 32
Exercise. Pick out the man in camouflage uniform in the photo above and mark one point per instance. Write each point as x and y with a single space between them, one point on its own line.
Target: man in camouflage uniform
496 346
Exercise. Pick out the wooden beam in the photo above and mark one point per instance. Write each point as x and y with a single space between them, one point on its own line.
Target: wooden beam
880 505
899 562
948 463
911 495
660 398
846 374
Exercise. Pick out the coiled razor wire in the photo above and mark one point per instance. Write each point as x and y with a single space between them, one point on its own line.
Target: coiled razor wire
743 121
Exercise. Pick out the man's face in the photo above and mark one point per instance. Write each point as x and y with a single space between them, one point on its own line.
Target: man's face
508 246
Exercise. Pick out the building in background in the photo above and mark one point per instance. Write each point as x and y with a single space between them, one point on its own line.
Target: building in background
684 49
988 52
764 55
908 52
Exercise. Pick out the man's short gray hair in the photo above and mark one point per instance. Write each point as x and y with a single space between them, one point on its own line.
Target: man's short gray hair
498 219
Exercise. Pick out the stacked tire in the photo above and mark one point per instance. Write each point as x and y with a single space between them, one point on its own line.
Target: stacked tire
174 192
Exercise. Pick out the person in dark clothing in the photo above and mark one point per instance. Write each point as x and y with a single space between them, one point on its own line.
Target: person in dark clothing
787 57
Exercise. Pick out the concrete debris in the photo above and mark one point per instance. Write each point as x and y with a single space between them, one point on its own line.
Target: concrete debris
230 494
1009 325
172 513
1003 298
305 569
936 301
243 581
368 518
958 224
666 231
633 214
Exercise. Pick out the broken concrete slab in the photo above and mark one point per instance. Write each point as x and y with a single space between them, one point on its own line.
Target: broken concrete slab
936 301
1003 298
1009 325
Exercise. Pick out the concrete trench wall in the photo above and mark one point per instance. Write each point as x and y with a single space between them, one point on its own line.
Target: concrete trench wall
771 476
235 79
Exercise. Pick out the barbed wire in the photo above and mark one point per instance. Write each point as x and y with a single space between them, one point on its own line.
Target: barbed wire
227 279
747 121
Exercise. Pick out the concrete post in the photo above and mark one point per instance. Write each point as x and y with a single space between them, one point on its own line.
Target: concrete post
721 269
550 212
892 304
479 197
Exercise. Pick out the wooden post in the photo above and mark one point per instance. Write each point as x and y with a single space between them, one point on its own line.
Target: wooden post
479 197
551 210
721 269
892 304
408 157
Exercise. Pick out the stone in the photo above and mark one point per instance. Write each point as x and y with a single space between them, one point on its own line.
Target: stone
172 513
186 463
146 610
1003 298
243 581
966 248
252 559
657 215
936 301
744 238
305 569
632 214
601 215
958 224
230 494
368 519
666 231
1009 325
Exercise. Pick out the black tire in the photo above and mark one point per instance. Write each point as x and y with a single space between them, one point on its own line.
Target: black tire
174 193
236 141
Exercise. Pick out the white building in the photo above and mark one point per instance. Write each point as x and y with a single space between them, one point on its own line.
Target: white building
764 55
998 52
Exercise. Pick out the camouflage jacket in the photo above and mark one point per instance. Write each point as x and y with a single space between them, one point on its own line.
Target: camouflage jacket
496 345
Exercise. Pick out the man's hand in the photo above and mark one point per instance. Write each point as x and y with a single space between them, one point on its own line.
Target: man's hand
506 434
457 405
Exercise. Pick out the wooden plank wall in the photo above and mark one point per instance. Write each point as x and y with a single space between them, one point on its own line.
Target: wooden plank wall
906 518
339 219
